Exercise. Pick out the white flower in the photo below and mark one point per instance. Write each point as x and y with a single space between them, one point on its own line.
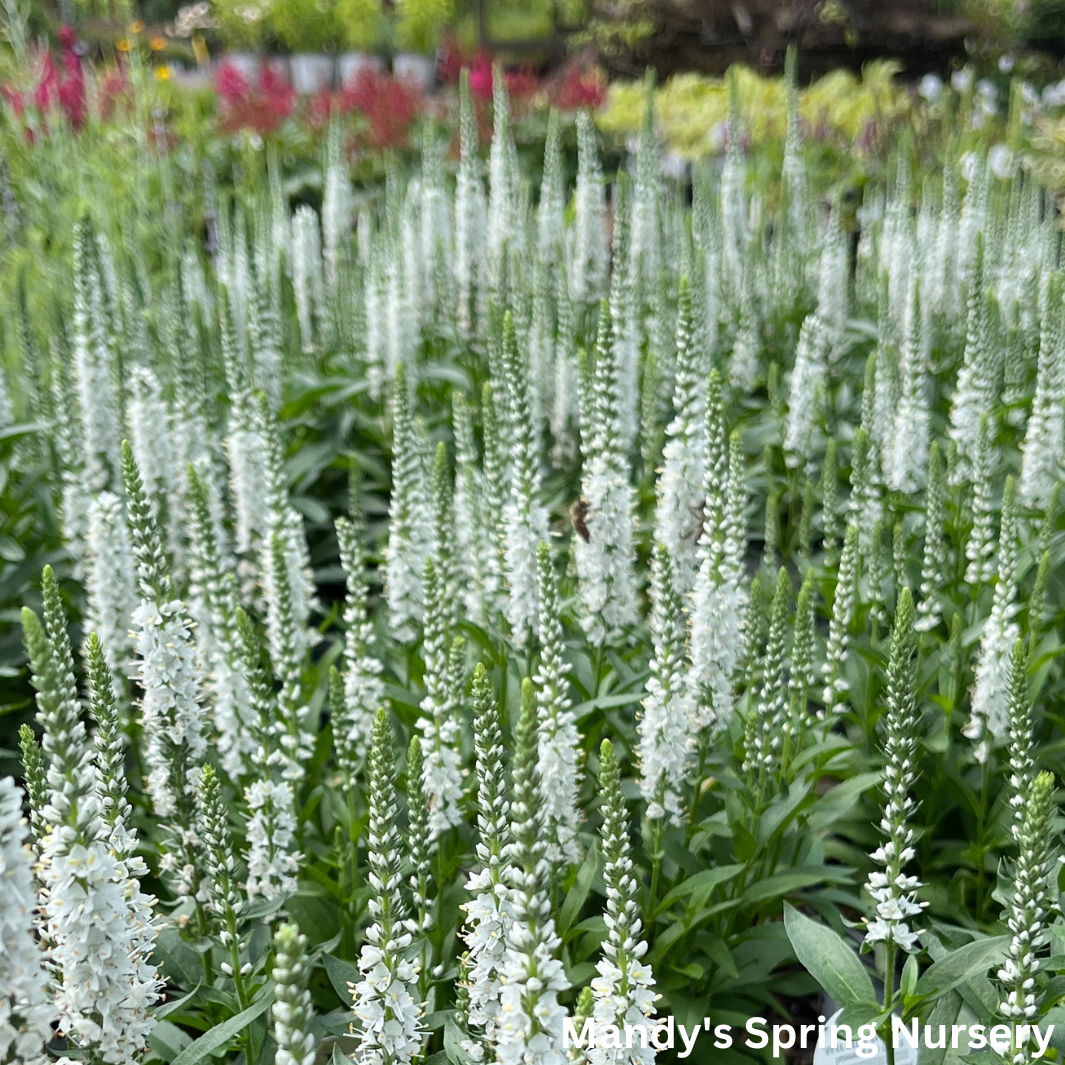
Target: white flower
930 87
111 579
1000 162
272 865
172 717
26 1012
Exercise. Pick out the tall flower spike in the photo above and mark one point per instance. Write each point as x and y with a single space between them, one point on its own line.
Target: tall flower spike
26 1012
225 900
605 558
469 211
623 992
408 519
893 892
980 547
386 1006
111 579
496 486
473 541
439 723
295 716
93 362
1027 912
115 809
292 1010
167 670
524 516
804 673
363 687
589 257
989 723
1022 740
680 483
97 921
666 741
420 852
530 1028
1044 437
488 913
36 782
839 626
935 556
717 600
773 731
559 741
443 542
272 857
213 602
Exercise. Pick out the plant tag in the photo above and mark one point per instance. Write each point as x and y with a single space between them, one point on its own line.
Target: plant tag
859 1055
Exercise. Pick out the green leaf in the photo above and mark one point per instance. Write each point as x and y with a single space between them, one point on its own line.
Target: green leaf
700 886
828 959
576 895
961 965
220 1035
172 1007
180 964
168 1040
339 1057
454 1037
341 973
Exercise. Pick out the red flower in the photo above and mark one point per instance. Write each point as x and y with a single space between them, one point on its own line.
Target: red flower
72 87
261 108
230 82
47 92
481 77
388 104
581 88
14 97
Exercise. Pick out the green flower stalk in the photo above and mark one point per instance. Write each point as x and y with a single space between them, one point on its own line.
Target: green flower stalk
36 783
680 482
474 540
439 723
363 688
936 550
774 726
213 601
98 924
530 1025
524 515
292 1009
1027 912
980 547
892 891
488 913
386 1006
409 525
988 725
559 741
273 858
469 212
834 665
623 992
1021 738
110 742
225 899
420 851
167 669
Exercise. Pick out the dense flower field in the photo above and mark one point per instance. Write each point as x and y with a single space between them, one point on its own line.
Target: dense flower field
487 604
